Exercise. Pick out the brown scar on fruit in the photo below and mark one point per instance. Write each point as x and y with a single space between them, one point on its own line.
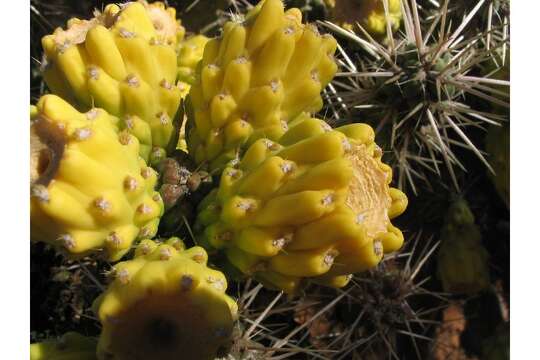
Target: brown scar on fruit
47 142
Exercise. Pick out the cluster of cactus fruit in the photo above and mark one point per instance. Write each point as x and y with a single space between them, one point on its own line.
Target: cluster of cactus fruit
147 130
294 199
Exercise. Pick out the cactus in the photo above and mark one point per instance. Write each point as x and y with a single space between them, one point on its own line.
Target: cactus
165 304
462 261
314 205
370 14
254 80
90 191
190 52
124 61
71 346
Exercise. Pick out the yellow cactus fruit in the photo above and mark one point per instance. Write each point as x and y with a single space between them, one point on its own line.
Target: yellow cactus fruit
190 52
33 111
370 14
90 190
124 61
71 346
165 304
498 147
315 204
256 78
462 261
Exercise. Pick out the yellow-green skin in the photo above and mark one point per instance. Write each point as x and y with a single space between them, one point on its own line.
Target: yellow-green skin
165 304
124 61
190 52
71 346
462 261
315 205
498 148
95 194
255 79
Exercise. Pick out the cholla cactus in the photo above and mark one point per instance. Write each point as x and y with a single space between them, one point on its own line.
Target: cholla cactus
123 60
71 346
254 80
315 205
165 304
90 190
417 91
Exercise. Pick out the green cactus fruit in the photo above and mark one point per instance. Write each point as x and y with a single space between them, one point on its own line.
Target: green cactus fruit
71 346
498 146
90 190
124 61
165 304
254 80
462 260
316 204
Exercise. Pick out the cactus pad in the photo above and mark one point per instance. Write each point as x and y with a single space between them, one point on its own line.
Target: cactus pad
90 190
124 61
316 204
165 304
255 79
